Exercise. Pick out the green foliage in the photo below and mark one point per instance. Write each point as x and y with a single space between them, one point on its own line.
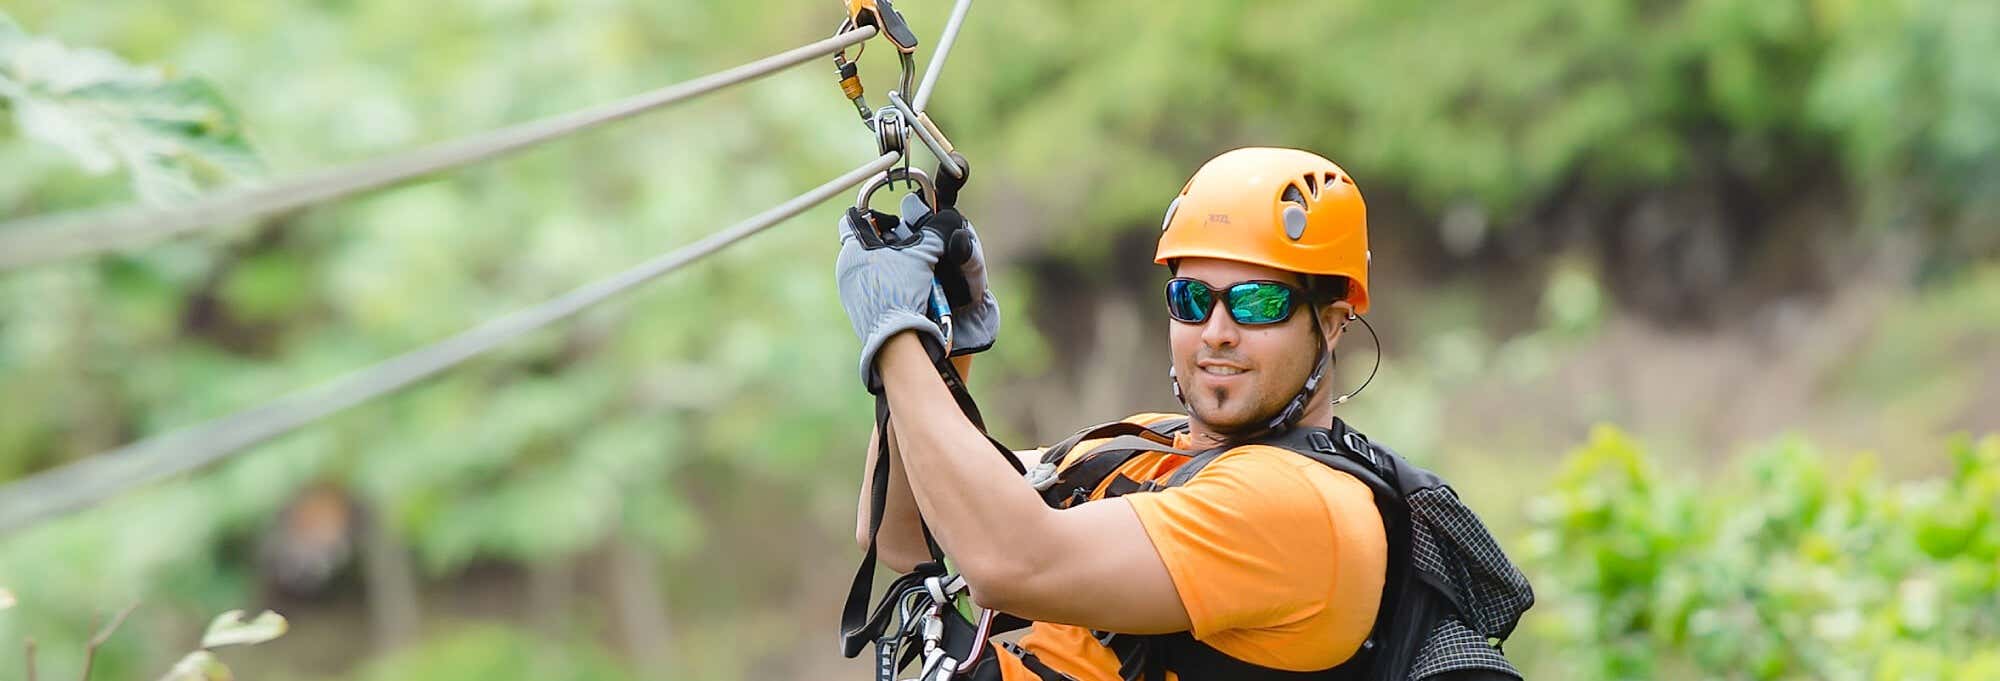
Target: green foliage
1791 570
169 134
1493 107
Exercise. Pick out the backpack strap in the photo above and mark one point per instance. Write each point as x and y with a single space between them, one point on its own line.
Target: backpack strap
1340 447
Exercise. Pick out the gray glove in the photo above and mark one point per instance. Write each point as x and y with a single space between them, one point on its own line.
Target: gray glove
975 313
885 284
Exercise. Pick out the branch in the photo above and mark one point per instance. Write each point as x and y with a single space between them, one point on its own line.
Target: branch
90 651
31 659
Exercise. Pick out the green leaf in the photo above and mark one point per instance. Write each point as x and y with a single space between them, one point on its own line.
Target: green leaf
229 629
171 135
199 665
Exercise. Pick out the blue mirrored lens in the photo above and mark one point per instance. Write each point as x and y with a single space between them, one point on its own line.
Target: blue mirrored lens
1189 301
1260 302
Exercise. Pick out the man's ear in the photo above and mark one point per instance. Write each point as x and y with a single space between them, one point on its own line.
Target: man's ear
1333 319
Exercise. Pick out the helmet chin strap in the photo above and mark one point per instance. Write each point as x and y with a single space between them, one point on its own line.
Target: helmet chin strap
1296 409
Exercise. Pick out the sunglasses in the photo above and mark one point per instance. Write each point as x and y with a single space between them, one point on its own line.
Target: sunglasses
1251 303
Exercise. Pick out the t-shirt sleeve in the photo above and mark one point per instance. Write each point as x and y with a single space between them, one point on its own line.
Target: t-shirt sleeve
1249 542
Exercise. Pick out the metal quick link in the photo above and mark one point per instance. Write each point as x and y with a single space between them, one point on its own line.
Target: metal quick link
937 665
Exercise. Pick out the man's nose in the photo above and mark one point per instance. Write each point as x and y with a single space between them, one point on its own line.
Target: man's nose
1220 331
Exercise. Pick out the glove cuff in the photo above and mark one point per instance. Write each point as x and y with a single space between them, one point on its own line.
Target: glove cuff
893 323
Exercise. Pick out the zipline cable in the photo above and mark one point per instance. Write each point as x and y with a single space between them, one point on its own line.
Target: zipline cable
92 480
42 239
951 26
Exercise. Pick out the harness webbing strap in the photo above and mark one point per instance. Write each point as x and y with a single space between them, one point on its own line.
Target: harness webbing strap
1056 452
859 627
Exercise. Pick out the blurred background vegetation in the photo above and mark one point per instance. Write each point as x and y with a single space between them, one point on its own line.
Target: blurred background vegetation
1761 237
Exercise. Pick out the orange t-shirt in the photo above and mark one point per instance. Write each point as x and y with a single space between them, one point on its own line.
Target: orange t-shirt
1278 559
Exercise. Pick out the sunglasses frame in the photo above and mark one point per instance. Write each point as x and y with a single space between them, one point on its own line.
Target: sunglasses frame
1295 297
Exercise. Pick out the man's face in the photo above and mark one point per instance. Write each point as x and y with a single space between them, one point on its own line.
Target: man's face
1235 378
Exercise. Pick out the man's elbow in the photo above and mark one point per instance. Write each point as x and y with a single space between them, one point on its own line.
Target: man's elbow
890 553
1004 583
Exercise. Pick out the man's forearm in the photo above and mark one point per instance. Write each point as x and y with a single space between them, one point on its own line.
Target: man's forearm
970 495
900 543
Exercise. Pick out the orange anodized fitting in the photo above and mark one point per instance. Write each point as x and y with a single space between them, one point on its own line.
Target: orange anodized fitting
882 14
1287 209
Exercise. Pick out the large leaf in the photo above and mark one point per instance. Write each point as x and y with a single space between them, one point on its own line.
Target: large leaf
171 135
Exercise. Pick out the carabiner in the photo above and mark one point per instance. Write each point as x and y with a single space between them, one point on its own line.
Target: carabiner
940 305
889 177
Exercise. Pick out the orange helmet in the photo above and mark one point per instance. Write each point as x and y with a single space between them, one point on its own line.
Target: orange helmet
1284 208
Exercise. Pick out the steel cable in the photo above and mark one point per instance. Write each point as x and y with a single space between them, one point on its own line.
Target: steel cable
42 239
91 480
922 96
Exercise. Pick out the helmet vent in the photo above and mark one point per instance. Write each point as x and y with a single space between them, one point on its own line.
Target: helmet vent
1312 185
1169 219
1293 195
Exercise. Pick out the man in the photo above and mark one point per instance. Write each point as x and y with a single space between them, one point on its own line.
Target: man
1264 556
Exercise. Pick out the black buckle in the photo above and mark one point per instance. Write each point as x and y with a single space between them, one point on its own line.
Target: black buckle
1359 444
1321 443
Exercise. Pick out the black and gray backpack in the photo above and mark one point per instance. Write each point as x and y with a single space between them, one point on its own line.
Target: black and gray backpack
1450 599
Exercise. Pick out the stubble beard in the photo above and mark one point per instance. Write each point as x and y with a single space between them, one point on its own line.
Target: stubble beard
1254 420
